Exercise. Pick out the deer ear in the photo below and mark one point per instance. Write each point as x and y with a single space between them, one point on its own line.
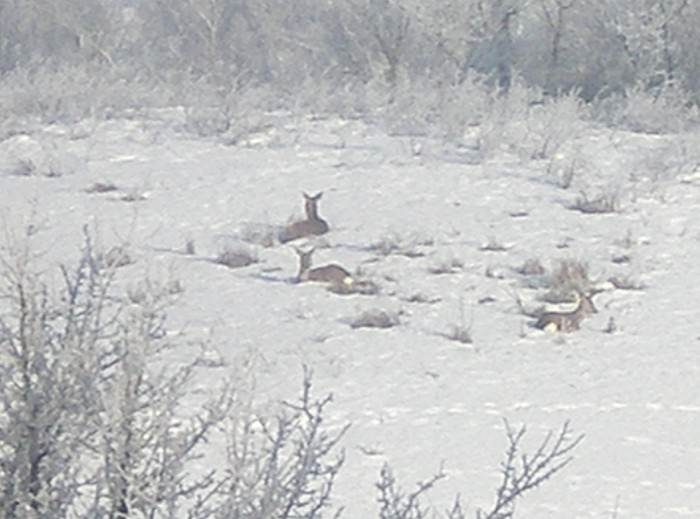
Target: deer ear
318 195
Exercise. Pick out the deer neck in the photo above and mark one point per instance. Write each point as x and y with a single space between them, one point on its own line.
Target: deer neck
311 211
304 267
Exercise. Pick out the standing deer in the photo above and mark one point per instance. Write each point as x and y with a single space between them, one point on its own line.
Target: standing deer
314 225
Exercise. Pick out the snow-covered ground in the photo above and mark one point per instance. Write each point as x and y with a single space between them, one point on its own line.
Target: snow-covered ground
400 209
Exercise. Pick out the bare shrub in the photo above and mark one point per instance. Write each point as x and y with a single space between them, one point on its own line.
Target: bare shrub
133 194
24 168
655 111
626 283
553 124
522 472
461 331
46 398
236 256
363 287
494 272
493 245
531 267
536 128
146 290
421 298
260 234
393 243
190 248
283 466
115 257
448 266
568 276
387 244
102 187
607 202
621 258
563 168
148 446
611 326
395 503
376 318
88 427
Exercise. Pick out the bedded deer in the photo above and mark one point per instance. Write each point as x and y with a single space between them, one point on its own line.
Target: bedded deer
332 273
313 225
568 321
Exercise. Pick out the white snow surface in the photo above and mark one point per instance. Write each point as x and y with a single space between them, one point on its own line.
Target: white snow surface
415 398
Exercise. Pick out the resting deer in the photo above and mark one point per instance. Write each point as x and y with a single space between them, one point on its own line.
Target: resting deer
568 321
313 225
333 274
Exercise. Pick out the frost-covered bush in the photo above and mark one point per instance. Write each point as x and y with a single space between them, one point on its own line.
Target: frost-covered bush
94 415
42 93
281 465
90 426
417 69
667 110
530 125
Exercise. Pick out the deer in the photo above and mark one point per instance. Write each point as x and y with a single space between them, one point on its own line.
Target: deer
313 225
568 321
332 273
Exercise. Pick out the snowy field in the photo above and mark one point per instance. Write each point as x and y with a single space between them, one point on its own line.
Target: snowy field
444 232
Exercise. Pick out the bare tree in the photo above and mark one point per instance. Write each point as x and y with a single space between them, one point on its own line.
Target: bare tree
555 14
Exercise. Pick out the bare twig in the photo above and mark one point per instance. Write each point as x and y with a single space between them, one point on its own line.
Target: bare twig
521 472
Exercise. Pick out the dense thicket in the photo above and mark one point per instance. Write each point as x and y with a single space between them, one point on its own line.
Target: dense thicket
71 58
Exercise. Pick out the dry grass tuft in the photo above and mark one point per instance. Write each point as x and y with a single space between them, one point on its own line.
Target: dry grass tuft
101 187
604 203
376 318
362 287
236 257
259 234
451 266
626 283
459 333
493 245
393 243
532 267
115 257
568 276
422 298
